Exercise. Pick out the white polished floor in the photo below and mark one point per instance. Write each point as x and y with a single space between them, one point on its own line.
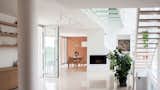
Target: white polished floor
83 81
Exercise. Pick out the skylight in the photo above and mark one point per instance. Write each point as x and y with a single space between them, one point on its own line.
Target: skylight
104 15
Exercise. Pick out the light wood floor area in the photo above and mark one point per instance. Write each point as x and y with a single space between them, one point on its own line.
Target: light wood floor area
80 79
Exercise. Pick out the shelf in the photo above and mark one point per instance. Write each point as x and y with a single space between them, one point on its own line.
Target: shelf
7 46
5 34
8 24
8 34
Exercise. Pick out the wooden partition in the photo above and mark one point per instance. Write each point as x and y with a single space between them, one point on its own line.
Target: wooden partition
74 44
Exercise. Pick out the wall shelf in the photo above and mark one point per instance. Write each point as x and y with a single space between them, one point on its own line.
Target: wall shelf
8 46
8 24
6 34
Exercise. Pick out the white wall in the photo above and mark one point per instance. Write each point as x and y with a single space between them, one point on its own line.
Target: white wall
128 28
95 41
95 46
7 55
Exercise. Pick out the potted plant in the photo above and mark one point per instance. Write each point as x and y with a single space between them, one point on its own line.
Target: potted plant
122 65
112 58
145 38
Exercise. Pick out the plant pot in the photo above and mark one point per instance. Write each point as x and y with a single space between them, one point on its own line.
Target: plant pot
122 82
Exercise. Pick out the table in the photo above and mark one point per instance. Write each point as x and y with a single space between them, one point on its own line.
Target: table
76 61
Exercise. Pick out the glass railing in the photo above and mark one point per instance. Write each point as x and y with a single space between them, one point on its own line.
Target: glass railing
154 72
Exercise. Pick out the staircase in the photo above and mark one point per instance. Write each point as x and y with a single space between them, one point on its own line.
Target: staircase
147 37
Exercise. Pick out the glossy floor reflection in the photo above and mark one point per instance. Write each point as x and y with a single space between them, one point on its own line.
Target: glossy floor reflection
84 81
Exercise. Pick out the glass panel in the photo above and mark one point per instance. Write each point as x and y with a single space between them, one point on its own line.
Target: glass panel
50 38
105 14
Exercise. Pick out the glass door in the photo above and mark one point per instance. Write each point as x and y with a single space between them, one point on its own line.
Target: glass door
50 52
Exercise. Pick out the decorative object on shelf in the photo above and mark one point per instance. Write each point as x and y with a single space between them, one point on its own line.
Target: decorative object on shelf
15 64
145 39
121 65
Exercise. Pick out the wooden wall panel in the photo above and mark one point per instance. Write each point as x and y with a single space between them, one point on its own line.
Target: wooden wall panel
74 44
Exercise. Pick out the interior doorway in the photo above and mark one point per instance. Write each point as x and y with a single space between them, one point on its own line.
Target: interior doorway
73 53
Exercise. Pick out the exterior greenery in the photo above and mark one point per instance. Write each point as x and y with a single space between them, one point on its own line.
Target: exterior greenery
121 64
145 39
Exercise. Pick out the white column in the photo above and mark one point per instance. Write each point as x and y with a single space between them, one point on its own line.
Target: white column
27 46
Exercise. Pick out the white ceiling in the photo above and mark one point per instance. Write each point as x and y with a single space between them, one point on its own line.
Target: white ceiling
50 7
110 3
50 12
67 12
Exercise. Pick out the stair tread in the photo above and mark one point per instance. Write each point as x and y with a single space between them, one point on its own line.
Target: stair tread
149 38
141 47
144 52
150 32
149 12
149 26
149 20
147 43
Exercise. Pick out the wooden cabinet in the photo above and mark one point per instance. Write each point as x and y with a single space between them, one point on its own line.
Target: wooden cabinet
8 78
